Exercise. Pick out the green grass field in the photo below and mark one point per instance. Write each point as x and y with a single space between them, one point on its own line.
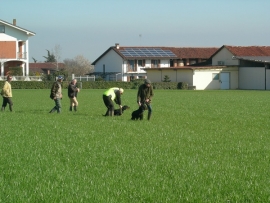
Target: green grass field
200 146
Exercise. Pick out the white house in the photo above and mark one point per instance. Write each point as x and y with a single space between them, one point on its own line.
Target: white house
127 63
14 47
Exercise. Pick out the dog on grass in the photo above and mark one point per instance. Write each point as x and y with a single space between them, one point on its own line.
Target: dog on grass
118 112
138 114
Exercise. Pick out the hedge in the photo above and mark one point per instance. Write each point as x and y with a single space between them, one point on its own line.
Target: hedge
96 85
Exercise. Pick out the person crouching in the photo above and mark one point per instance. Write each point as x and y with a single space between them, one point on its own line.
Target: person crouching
110 96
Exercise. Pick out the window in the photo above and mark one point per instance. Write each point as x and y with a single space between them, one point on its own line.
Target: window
155 63
2 29
131 65
221 63
141 63
215 76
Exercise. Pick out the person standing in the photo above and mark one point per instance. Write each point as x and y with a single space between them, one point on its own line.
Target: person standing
144 96
7 94
56 94
110 96
72 94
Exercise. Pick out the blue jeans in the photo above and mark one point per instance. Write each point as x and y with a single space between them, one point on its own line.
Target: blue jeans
57 106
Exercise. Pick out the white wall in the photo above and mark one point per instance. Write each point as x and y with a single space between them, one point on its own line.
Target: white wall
175 75
252 78
5 37
164 63
225 56
19 35
203 78
112 61
268 79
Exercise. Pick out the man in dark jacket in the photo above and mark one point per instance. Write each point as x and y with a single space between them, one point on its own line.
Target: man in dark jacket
72 94
144 96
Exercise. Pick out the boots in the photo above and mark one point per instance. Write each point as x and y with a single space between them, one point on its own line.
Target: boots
53 110
149 115
70 108
111 112
10 108
75 108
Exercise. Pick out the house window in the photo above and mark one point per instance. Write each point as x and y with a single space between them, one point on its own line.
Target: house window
141 63
131 65
2 29
215 76
155 63
221 63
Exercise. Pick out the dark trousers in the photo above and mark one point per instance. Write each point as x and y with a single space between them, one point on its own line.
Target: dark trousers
7 100
108 103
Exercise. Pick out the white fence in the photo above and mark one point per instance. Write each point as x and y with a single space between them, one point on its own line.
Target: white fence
23 78
39 78
83 78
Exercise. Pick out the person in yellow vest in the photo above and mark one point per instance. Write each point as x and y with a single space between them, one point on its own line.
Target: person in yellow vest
110 96
7 94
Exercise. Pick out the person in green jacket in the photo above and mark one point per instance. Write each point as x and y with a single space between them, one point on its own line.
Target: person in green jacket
56 94
7 94
144 96
110 96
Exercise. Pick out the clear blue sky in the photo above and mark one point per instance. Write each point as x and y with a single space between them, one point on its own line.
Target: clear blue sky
89 27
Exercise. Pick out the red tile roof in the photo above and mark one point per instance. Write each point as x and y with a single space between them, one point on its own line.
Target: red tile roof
39 67
249 50
192 52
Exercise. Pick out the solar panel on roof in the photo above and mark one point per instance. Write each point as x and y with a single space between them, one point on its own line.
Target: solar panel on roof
147 52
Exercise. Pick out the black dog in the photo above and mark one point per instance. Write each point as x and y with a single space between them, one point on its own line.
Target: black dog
138 114
118 112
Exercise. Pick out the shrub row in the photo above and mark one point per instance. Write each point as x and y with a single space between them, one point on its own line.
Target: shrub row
96 85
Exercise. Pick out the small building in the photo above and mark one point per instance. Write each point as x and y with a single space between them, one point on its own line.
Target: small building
252 63
14 47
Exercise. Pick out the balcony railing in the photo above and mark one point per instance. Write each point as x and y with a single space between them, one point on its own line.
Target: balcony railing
21 55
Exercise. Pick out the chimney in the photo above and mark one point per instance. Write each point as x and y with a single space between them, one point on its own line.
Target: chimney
117 45
14 22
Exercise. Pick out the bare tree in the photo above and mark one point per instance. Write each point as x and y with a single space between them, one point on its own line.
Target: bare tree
57 54
78 66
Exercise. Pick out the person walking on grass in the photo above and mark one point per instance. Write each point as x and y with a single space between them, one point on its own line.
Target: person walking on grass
110 96
56 94
7 94
72 94
144 96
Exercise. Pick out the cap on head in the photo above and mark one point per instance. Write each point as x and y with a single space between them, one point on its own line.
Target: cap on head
121 90
147 81
60 77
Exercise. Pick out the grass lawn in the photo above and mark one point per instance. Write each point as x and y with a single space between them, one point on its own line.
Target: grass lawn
200 146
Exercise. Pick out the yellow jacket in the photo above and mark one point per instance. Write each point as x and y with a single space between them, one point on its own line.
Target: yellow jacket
6 91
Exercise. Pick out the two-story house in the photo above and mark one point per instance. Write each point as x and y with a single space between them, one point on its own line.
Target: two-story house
127 63
14 47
